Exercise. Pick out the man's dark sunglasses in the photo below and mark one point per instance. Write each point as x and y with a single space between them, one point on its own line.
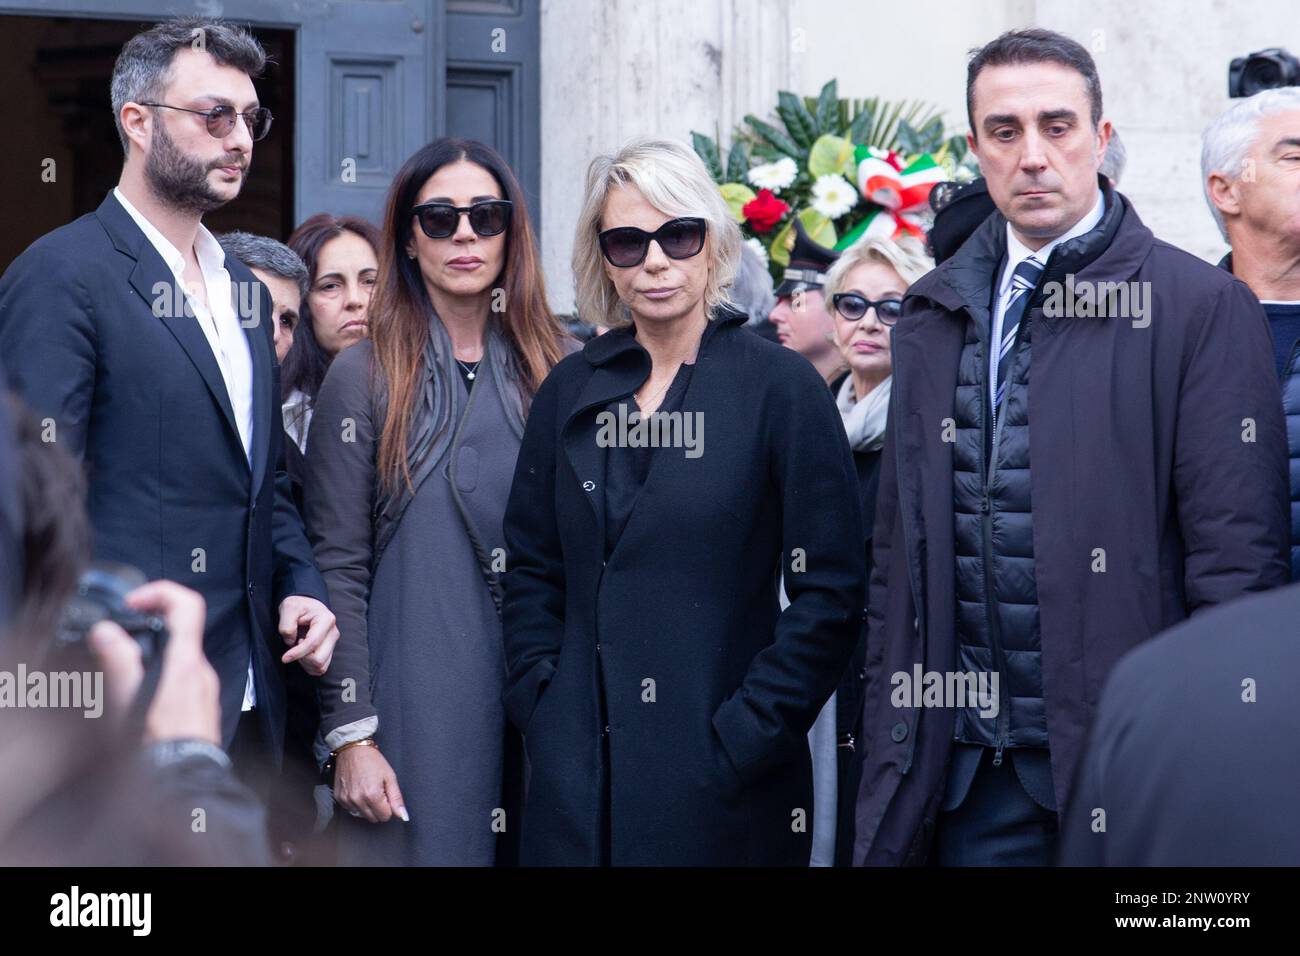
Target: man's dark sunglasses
439 220
853 307
221 119
626 246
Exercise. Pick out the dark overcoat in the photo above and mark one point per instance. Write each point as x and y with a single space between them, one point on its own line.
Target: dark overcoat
664 696
1159 487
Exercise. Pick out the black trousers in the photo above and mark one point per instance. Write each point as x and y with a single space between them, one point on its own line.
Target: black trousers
997 824
250 756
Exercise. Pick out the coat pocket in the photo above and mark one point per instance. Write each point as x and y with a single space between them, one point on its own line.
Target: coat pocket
725 775
464 471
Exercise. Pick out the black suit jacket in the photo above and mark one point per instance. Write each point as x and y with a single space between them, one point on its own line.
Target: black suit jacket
138 396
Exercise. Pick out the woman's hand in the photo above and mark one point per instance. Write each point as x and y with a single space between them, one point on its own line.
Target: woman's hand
366 786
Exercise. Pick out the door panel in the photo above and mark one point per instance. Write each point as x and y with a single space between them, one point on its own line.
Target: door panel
369 99
493 83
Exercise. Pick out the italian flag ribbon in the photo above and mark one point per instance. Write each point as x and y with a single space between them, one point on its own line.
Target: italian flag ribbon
900 191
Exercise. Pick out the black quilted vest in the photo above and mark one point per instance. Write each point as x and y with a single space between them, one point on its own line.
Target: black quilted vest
997 596
994 543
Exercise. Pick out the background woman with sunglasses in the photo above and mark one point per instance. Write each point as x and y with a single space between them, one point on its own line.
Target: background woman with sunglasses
664 697
409 462
864 294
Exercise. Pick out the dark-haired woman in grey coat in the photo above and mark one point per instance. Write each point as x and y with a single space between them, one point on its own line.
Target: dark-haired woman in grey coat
412 445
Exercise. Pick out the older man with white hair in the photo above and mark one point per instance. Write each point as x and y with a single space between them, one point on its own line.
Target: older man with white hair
1250 164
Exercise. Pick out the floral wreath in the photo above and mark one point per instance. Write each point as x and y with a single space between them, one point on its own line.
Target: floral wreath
848 170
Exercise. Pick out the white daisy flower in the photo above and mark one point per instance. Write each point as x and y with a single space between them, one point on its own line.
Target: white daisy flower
833 196
774 176
758 248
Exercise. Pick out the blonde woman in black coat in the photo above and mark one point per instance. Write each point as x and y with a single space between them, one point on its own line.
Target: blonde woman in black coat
664 697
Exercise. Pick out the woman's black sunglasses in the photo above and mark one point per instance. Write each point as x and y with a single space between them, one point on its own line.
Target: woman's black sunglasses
853 307
221 119
626 246
439 220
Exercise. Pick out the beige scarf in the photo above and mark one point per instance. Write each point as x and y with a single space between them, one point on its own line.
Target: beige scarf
865 418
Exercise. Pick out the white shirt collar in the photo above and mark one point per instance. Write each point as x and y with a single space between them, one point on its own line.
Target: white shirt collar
206 248
1017 251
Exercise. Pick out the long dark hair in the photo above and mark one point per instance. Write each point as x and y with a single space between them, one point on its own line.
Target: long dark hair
306 364
399 306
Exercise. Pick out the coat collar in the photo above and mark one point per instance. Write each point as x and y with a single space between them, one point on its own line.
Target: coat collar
620 364
606 348
1113 251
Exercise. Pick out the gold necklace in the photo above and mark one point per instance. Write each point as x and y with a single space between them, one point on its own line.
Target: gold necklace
664 388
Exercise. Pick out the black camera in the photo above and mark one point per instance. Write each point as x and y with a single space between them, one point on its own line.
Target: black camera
1262 70
100 596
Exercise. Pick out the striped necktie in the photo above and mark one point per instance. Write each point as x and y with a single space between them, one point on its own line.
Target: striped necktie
1023 280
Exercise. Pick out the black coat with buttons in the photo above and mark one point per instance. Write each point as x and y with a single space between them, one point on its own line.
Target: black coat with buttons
848 695
664 696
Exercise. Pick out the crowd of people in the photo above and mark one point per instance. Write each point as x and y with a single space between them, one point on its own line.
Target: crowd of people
422 609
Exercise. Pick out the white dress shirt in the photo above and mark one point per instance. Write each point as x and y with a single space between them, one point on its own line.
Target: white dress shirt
1018 252
221 327
296 412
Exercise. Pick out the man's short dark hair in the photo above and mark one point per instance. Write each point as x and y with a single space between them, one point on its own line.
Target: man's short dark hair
1033 46
269 255
141 71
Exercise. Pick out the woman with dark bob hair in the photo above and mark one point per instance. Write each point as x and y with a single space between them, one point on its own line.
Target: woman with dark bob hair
668 473
409 459
342 258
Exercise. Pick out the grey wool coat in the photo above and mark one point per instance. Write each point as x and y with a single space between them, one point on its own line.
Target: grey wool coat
420 644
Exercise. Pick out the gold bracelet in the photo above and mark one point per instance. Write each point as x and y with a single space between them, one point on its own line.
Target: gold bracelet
363 742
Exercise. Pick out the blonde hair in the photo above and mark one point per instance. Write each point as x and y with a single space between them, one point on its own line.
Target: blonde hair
673 180
906 255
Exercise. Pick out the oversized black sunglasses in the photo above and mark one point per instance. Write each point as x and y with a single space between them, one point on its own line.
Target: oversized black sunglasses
853 307
488 218
626 246
221 119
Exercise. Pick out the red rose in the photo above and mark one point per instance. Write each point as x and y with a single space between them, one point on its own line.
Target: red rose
765 211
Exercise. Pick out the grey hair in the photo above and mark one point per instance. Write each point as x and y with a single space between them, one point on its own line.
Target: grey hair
673 180
143 68
269 255
1228 139
905 255
752 291
1116 158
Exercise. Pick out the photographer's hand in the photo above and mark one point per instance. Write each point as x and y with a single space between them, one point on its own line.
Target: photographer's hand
187 703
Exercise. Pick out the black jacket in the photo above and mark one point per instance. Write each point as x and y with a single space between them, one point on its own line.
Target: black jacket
1158 453
140 399
848 695
1192 758
1291 408
676 646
